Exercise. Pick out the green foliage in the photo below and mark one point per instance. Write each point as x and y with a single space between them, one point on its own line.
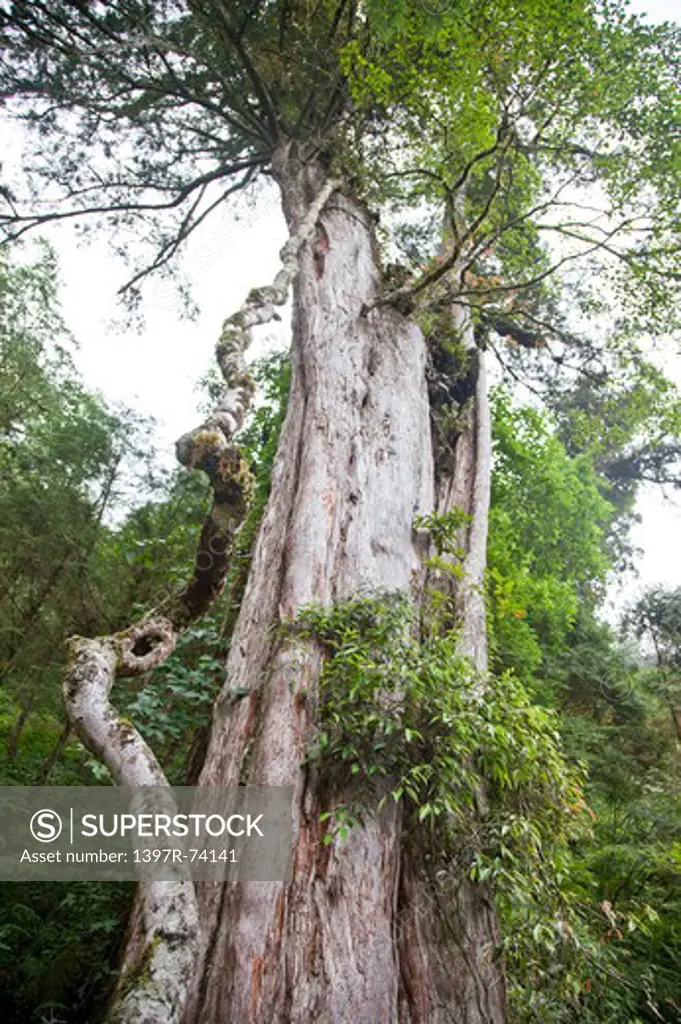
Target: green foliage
547 547
624 883
606 952
152 552
259 441
509 106
443 530
75 556
496 113
657 616
628 421
505 106
58 944
176 701
63 461
411 721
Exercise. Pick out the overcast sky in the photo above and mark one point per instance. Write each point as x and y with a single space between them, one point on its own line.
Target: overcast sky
156 370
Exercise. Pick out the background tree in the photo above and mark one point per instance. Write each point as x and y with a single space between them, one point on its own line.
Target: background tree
65 460
606 949
70 468
657 617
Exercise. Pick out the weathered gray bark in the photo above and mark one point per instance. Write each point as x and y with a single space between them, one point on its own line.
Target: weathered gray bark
355 466
154 990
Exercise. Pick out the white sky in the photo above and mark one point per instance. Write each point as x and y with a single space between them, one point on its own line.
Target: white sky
156 370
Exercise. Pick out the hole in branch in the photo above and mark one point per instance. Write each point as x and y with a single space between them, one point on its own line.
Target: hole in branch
144 645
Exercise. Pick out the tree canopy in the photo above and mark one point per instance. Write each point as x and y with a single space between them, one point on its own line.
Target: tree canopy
548 127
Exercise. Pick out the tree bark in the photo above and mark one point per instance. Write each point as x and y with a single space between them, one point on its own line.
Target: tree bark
355 466
675 712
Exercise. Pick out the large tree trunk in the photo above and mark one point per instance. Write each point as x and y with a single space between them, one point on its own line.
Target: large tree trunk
355 466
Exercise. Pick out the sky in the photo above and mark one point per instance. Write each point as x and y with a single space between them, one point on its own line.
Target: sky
156 370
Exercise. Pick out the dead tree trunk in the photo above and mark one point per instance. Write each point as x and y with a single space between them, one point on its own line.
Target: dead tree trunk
355 466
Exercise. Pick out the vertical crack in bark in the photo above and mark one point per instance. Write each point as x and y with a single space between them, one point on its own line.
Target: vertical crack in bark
470 592
155 986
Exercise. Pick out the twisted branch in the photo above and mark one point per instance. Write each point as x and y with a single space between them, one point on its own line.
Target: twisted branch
169 908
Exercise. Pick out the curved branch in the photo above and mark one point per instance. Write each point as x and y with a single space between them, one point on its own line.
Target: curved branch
169 909
189 224
29 221
405 294
202 447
